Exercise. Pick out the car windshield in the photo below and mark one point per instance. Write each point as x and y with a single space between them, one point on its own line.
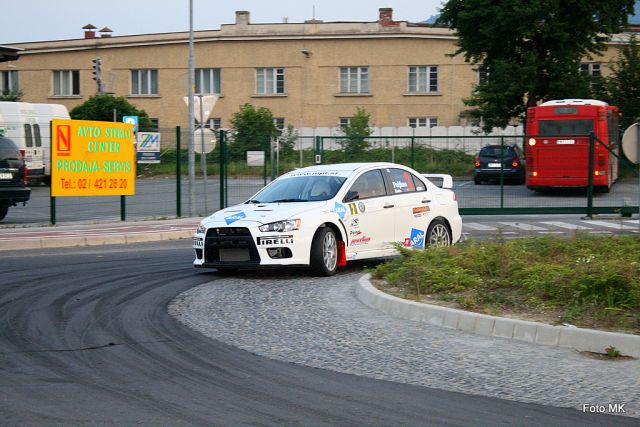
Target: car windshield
307 188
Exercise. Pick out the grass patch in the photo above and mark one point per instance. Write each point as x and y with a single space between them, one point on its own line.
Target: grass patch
588 281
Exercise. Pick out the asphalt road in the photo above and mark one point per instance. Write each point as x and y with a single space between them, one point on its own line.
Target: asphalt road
155 198
86 339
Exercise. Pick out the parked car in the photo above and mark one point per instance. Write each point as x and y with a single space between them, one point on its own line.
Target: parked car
324 216
492 160
13 177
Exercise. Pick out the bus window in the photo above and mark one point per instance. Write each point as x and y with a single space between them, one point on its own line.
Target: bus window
36 135
565 127
27 136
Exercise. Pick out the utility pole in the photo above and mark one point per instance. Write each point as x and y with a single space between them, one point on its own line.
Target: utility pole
190 147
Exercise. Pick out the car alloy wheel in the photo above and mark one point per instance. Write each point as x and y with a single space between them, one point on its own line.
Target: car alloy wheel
438 234
330 251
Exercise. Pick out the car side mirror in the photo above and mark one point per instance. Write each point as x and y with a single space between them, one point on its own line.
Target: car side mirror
351 195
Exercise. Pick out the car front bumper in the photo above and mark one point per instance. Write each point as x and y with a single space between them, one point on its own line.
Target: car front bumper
246 247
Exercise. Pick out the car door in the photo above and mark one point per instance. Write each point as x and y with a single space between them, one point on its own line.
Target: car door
369 215
413 207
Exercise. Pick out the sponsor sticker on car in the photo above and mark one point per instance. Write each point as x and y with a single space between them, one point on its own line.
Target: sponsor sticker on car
274 240
235 217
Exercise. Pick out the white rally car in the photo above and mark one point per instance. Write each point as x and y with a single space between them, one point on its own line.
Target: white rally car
323 216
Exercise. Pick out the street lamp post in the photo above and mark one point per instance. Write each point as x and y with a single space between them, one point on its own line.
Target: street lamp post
190 147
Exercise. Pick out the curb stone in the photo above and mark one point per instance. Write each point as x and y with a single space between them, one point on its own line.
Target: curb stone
580 339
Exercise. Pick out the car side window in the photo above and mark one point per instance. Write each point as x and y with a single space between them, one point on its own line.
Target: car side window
369 184
403 181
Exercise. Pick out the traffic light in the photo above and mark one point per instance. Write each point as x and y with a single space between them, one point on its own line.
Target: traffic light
97 69
97 72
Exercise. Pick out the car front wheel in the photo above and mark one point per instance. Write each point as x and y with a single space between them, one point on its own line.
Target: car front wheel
438 234
324 252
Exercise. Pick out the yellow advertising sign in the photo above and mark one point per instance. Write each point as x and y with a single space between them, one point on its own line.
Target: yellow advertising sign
90 158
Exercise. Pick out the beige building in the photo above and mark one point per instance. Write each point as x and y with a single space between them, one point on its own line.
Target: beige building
311 74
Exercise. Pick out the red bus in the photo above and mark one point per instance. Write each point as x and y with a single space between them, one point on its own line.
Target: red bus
557 147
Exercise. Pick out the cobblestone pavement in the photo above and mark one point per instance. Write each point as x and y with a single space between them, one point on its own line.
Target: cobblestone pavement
319 322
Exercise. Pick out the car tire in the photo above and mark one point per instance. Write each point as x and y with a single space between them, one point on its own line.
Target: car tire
477 181
3 211
324 252
438 233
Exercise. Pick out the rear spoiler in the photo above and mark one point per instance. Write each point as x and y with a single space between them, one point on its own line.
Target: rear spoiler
447 180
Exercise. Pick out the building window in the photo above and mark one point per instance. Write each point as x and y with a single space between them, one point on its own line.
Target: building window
345 121
155 124
144 82
423 122
423 79
594 72
270 81
214 123
66 82
208 81
354 80
9 82
278 122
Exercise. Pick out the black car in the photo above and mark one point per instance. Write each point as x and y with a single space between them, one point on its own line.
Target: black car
492 160
13 189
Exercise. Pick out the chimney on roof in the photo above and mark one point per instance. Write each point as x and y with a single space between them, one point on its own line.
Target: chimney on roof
242 17
386 17
105 32
89 31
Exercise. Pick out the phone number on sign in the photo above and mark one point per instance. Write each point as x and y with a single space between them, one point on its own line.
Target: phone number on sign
99 183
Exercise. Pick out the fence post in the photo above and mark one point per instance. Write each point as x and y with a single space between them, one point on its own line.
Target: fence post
501 172
590 176
178 175
318 151
413 151
223 160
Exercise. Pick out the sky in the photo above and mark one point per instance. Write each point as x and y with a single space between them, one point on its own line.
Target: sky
42 20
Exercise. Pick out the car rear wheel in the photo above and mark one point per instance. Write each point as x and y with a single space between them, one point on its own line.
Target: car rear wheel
324 252
3 211
438 234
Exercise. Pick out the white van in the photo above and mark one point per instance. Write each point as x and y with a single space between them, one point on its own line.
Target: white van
28 125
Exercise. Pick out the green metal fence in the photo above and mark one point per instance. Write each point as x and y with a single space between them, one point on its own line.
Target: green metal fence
164 190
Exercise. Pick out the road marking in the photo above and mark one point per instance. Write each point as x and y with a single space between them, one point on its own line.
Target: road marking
617 226
566 225
525 227
478 226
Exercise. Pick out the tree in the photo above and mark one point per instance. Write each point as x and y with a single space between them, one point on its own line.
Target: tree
254 130
532 50
100 108
622 87
357 132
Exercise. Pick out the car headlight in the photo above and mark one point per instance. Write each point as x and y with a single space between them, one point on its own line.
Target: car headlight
278 226
201 229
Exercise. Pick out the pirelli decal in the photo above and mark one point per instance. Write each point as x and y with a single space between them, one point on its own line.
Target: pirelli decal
275 240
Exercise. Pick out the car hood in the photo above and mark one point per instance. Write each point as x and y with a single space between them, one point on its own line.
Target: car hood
262 213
